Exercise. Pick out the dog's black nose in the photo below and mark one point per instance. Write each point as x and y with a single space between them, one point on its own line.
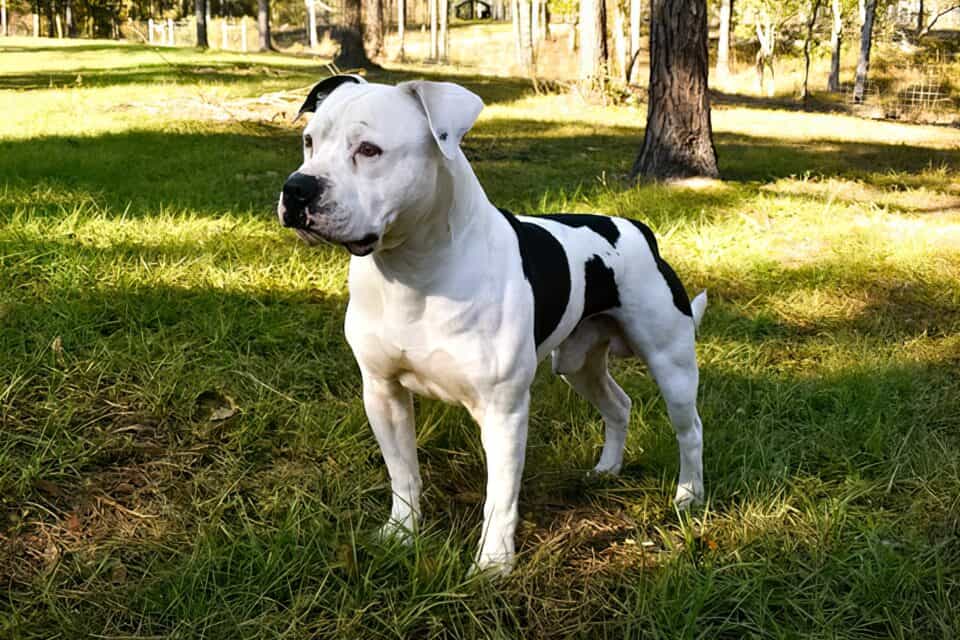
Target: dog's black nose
298 192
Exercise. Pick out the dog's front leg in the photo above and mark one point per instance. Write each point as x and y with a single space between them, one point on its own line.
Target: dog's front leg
504 435
389 408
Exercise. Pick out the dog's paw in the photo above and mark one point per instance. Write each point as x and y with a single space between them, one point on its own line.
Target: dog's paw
604 469
688 496
394 531
494 567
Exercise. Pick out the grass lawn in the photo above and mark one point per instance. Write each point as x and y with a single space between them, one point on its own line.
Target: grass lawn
183 449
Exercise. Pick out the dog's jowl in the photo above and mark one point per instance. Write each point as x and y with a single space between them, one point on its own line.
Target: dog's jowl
454 299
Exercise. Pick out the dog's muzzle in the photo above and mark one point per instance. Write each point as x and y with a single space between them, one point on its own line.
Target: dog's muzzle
299 192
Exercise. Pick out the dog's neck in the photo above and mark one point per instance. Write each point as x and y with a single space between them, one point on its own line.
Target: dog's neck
436 240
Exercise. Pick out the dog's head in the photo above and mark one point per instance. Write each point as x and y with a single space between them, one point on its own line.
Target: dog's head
373 156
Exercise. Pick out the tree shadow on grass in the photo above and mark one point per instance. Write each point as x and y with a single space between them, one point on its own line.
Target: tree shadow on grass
171 67
216 168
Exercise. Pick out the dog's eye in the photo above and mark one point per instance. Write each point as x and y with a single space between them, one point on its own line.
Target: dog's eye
308 140
369 150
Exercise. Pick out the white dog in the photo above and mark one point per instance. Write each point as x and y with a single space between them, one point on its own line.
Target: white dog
454 299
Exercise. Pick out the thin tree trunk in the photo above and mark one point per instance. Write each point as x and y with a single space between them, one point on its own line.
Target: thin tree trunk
620 40
68 18
434 19
535 21
767 37
263 25
401 25
920 17
866 41
805 90
373 28
3 18
517 33
836 41
348 34
593 42
723 40
312 23
444 38
528 34
634 40
201 14
678 141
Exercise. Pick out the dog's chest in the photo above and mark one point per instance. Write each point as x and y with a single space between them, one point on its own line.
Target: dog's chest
433 345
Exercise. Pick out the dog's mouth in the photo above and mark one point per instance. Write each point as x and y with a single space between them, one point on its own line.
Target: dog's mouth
364 246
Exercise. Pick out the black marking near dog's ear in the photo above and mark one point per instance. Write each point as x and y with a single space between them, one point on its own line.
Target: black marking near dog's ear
546 268
680 299
601 225
323 89
601 292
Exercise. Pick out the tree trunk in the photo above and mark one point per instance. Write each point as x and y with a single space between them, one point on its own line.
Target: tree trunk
767 37
723 40
348 34
634 40
443 39
593 42
373 28
3 18
920 17
620 40
401 25
311 23
678 141
528 34
535 21
263 25
201 13
51 30
68 18
517 33
836 41
434 20
812 18
866 41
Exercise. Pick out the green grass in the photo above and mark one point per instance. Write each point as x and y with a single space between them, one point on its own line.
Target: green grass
183 450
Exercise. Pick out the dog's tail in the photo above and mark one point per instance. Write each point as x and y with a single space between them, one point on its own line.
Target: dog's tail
698 305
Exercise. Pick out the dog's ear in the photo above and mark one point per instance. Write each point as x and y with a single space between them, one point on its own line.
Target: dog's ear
451 111
323 89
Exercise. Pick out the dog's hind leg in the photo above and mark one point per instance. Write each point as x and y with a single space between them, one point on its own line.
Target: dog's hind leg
672 361
582 361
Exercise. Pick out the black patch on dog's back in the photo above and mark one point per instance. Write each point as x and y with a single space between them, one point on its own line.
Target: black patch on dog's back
601 225
601 292
546 268
680 299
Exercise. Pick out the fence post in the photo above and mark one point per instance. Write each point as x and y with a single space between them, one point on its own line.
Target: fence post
36 25
243 34
170 40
